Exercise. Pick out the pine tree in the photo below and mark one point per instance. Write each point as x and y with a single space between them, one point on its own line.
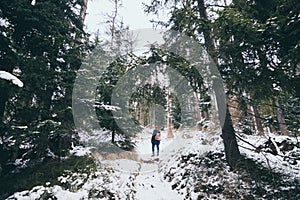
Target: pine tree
191 17
40 47
253 43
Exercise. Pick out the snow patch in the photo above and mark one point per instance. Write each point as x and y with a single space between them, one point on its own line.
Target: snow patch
80 150
8 76
33 2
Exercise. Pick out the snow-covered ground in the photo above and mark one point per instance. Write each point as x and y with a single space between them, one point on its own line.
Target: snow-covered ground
285 161
150 181
190 166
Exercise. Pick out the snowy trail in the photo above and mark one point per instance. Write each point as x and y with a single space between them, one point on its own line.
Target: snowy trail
150 183
148 179
152 186
146 175
136 179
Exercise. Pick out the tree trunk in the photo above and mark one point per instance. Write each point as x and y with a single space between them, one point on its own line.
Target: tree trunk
83 10
170 132
228 133
258 123
141 118
197 107
114 21
199 125
280 118
297 85
3 99
169 122
231 148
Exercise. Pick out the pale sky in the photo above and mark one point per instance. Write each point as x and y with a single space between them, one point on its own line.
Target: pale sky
132 13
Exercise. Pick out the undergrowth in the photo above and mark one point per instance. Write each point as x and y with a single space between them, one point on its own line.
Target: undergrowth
209 177
46 172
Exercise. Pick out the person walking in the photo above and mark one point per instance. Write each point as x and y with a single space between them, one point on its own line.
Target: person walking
155 140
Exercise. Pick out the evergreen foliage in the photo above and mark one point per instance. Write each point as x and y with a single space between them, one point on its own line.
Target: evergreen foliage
43 45
255 45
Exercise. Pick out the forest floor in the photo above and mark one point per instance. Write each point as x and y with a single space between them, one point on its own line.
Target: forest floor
190 166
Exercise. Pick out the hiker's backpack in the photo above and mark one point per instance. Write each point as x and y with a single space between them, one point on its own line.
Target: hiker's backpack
154 134
157 136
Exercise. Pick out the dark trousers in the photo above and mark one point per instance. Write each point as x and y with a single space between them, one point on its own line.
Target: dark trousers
155 143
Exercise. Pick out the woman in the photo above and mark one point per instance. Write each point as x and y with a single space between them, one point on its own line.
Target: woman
155 140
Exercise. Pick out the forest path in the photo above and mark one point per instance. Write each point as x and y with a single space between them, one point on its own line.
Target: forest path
146 174
149 181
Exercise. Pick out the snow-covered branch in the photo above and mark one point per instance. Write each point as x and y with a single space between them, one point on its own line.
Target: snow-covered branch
8 76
